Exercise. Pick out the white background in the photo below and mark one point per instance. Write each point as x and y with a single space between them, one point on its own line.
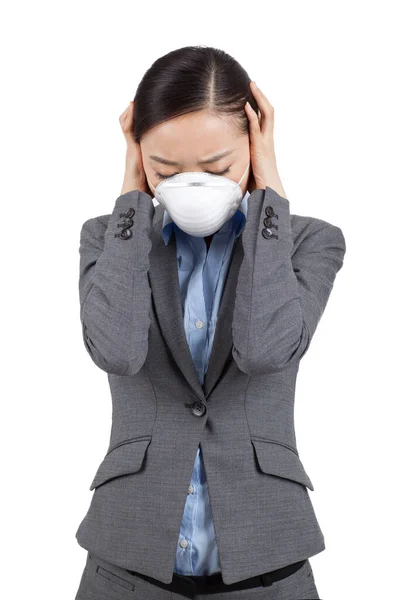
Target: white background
69 69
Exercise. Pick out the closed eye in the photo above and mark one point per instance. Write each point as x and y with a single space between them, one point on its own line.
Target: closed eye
160 176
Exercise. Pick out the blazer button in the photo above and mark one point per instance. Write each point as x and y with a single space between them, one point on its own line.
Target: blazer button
269 211
126 223
128 213
267 233
198 409
267 222
126 234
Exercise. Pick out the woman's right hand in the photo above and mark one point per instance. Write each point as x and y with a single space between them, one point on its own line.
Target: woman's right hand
135 176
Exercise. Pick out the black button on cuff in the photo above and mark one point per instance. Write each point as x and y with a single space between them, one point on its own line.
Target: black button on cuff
269 211
126 234
267 222
267 233
126 223
128 213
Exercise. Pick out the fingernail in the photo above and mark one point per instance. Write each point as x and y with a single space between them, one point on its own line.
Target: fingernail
255 84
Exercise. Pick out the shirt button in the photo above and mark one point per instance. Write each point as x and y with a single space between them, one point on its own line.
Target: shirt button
183 543
191 489
199 324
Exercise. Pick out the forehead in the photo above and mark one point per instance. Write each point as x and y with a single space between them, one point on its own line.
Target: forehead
194 136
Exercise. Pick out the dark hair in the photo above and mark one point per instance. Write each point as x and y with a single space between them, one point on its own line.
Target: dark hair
190 79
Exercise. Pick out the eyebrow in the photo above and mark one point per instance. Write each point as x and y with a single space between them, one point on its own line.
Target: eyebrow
212 159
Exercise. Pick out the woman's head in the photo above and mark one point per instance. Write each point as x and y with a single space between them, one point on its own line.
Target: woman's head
188 110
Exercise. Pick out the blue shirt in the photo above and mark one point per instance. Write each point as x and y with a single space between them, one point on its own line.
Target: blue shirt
201 279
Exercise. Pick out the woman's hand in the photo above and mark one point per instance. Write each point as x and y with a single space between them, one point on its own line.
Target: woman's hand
262 152
135 176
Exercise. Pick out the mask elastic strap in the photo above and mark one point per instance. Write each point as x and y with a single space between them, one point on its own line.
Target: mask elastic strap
243 174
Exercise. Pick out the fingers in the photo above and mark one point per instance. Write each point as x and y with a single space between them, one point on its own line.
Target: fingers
126 119
266 108
254 123
126 112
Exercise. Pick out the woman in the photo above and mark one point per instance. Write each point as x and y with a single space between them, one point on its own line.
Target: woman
202 490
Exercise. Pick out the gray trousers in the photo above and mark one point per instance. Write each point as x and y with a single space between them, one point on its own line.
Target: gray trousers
102 580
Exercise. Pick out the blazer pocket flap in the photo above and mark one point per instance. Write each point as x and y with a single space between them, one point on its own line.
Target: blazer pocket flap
280 460
123 459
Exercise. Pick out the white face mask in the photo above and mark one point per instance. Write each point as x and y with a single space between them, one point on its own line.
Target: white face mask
199 203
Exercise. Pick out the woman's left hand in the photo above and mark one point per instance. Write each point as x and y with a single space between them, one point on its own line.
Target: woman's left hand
262 152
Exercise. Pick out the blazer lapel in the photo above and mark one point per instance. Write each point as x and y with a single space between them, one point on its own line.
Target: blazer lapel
164 281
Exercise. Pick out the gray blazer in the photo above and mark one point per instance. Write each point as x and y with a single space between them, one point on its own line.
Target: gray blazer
280 276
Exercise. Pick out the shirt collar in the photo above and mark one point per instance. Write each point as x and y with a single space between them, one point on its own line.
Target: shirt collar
237 220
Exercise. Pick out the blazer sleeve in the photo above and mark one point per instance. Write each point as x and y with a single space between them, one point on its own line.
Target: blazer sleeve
114 289
282 291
